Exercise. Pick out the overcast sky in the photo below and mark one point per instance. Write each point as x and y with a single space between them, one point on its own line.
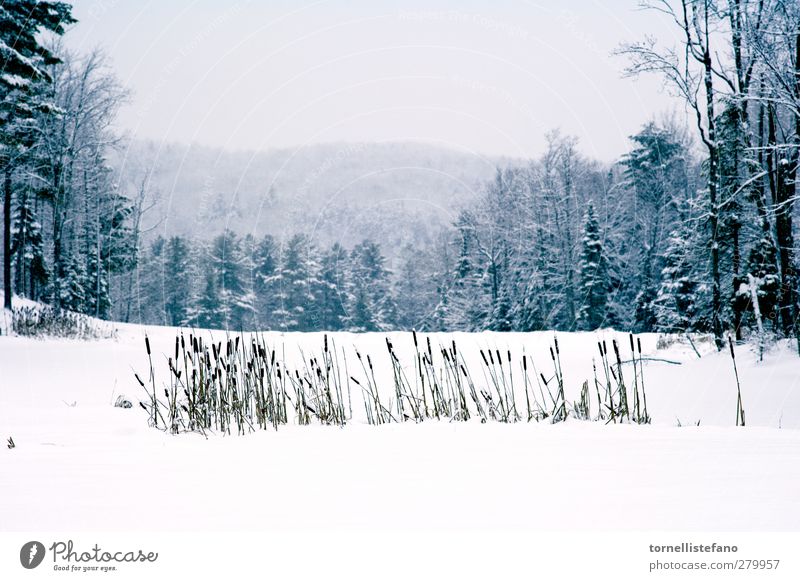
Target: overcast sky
490 76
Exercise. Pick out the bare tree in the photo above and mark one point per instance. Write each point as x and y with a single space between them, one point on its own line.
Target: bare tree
88 95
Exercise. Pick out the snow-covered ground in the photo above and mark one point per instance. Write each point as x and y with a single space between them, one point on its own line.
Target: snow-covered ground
82 464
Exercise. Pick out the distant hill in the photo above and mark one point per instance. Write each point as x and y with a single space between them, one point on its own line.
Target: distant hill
395 192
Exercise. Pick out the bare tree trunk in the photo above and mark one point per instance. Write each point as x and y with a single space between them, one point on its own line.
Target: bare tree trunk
780 179
713 178
791 274
737 259
7 235
58 231
759 189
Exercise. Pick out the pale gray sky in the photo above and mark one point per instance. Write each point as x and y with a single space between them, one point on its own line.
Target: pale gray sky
486 76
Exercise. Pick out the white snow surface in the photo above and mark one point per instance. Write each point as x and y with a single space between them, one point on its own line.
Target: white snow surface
81 464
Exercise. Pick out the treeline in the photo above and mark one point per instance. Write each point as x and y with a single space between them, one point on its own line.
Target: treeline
244 283
562 242
566 243
689 231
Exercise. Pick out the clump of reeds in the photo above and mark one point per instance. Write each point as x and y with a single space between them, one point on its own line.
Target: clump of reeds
455 375
614 405
241 385
48 321
503 407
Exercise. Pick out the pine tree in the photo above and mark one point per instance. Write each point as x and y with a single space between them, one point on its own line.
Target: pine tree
655 174
207 311
27 247
265 277
372 304
675 303
296 284
178 281
762 266
226 260
500 319
248 302
118 239
645 312
467 296
332 294
74 282
593 275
